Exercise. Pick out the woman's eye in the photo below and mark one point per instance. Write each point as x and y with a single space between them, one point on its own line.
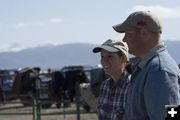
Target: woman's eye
110 56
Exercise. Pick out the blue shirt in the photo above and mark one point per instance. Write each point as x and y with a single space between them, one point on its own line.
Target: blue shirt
112 98
154 84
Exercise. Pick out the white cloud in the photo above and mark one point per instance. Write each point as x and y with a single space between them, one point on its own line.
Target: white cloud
4 47
162 12
55 20
38 23
23 24
15 47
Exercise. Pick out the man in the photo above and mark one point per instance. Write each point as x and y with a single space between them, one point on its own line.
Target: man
155 79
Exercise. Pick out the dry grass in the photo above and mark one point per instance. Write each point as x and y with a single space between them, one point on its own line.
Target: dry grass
18 108
55 117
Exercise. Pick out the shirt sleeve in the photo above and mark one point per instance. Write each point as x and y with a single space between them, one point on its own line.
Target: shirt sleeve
161 88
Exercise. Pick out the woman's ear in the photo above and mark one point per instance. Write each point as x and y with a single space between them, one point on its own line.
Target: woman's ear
124 58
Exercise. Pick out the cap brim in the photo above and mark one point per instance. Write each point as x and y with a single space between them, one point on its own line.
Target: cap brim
121 28
108 48
97 49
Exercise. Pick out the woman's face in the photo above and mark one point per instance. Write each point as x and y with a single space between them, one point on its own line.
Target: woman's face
112 63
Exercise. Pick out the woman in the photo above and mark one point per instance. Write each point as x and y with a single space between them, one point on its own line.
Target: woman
112 98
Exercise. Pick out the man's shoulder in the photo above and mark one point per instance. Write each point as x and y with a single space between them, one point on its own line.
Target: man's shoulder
163 61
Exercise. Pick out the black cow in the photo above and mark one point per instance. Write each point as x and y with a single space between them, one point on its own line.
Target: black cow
73 75
56 87
64 82
2 99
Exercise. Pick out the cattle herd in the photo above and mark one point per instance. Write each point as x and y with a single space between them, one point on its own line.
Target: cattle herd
54 86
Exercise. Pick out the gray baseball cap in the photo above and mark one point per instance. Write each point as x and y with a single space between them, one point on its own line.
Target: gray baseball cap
140 19
113 46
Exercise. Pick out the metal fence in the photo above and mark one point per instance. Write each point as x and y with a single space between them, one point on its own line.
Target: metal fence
36 111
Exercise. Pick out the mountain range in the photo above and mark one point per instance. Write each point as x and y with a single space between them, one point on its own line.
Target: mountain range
51 56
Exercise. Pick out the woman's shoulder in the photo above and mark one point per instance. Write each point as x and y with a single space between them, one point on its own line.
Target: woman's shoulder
105 82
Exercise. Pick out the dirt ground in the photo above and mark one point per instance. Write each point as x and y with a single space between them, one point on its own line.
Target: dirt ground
7 113
55 117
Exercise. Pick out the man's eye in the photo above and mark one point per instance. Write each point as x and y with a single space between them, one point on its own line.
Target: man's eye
102 56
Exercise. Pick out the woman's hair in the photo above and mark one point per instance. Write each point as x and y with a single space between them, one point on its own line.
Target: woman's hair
120 53
129 67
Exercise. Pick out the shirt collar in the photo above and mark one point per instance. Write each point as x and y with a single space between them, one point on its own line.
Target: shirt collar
121 80
154 51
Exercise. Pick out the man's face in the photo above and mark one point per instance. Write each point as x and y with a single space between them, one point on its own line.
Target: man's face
133 40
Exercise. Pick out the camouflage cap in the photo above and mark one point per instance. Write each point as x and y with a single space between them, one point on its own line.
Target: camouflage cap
113 46
140 19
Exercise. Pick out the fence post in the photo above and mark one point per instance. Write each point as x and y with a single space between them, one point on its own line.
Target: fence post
36 100
34 106
38 80
77 100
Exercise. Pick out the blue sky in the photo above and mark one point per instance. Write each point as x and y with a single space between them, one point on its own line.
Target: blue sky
28 23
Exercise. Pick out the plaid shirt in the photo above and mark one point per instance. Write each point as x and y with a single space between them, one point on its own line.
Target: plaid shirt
112 99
